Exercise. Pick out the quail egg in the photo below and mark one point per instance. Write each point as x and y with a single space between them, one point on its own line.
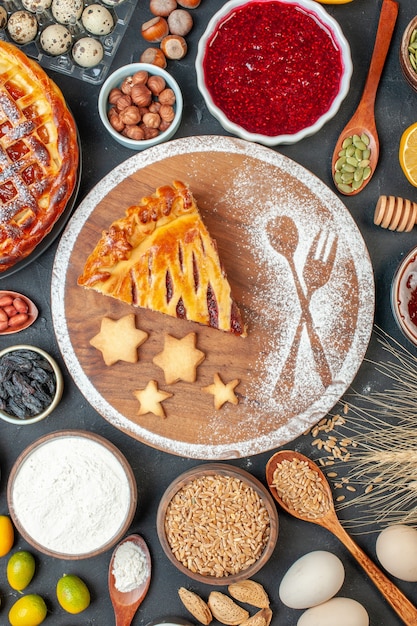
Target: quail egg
67 11
3 17
97 20
36 5
22 27
55 39
87 52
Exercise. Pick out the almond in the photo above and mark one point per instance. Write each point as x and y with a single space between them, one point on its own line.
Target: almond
225 610
195 605
249 592
261 618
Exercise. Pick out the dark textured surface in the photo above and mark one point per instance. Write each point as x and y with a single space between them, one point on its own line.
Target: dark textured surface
154 470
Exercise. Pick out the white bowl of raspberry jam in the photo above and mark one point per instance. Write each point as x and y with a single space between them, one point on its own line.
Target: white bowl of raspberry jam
273 71
404 296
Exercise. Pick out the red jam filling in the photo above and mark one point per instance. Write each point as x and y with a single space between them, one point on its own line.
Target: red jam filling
273 68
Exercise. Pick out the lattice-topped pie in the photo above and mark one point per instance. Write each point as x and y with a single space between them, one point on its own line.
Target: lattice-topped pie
160 256
38 155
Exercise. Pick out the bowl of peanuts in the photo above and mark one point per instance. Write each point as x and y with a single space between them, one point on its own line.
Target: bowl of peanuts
17 312
140 105
217 524
31 384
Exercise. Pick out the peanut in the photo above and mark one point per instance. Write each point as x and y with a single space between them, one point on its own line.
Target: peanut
20 305
10 310
6 301
18 320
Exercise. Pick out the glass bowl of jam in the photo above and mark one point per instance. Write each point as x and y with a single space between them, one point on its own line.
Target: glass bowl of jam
404 296
279 82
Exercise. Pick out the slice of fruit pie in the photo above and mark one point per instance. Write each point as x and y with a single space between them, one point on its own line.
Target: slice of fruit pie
160 256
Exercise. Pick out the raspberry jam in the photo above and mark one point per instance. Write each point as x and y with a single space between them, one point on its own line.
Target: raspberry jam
272 67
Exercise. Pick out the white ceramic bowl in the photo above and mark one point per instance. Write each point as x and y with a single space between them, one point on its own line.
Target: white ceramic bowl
115 80
72 494
328 24
59 386
404 296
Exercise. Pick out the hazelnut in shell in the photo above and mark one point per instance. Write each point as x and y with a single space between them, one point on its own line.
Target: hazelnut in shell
154 56
155 29
180 22
162 7
174 47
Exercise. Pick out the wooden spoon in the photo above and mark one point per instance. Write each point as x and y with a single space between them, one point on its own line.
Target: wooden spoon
125 604
328 519
363 120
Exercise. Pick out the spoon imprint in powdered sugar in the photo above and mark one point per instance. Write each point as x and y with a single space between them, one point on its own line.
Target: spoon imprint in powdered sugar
129 577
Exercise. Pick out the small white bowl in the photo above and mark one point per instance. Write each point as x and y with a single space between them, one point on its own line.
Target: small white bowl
59 387
115 80
404 296
321 17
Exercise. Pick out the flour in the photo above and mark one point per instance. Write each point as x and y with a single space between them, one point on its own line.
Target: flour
71 495
130 567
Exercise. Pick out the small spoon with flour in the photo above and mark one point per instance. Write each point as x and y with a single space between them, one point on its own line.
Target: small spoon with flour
129 577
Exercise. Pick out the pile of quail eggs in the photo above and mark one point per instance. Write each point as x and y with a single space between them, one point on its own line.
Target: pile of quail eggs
56 22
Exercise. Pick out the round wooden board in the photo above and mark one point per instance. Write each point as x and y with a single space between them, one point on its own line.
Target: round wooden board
241 188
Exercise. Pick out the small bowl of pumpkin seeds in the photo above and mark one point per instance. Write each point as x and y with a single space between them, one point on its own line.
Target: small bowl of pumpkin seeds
408 53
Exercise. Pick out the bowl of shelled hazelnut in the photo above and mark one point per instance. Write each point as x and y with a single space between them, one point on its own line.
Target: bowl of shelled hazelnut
140 105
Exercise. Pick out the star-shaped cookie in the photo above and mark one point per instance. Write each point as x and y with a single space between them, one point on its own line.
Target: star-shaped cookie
119 340
179 359
150 399
222 392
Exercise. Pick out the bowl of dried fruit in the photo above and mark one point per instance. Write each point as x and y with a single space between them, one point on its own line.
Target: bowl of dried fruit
408 53
279 82
140 105
31 384
203 520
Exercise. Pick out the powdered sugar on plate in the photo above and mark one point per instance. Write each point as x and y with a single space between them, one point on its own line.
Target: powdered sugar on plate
249 187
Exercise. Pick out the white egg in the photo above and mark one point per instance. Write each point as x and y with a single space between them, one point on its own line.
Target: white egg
87 52
97 19
22 27
313 578
56 39
337 611
396 549
67 11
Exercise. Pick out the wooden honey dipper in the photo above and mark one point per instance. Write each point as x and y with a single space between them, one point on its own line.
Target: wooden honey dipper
395 213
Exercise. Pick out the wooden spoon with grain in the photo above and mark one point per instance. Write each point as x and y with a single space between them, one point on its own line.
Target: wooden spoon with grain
325 516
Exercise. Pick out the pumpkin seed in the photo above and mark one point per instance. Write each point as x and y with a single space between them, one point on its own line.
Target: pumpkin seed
352 167
412 49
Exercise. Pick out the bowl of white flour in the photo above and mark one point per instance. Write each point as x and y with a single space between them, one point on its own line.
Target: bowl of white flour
72 494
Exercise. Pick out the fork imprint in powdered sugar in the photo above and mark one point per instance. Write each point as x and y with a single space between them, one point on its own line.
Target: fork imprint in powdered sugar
319 262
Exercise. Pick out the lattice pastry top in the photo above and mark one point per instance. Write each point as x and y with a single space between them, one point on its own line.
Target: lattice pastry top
39 155
160 256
